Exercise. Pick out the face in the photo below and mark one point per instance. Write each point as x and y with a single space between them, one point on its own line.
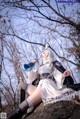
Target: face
45 55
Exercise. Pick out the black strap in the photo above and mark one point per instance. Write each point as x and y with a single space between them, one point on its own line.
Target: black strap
22 95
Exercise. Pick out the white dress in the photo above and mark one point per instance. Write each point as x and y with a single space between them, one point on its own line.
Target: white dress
54 91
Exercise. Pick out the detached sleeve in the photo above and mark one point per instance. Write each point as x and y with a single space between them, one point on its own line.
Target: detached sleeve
68 80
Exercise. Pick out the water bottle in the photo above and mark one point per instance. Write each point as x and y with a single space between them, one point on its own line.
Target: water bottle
30 66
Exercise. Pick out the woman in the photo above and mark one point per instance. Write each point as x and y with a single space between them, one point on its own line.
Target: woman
50 88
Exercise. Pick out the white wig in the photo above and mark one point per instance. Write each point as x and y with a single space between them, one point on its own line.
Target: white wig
49 55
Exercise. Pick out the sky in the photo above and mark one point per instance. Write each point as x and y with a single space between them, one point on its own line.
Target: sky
24 27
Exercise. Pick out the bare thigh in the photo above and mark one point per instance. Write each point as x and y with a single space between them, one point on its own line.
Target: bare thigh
31 89
35 97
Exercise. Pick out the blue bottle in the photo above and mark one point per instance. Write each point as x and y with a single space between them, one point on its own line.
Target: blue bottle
29 66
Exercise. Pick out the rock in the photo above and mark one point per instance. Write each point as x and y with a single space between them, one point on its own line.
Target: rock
60 110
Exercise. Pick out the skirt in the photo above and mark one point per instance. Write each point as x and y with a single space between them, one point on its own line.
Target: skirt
50 92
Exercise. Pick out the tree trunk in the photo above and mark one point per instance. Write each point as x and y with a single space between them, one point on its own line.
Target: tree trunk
1 59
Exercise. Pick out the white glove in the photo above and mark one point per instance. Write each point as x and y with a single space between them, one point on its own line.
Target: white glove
22 85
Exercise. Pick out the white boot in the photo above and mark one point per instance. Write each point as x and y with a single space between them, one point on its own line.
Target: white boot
30 109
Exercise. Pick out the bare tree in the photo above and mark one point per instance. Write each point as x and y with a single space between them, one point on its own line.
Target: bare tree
1 60
2 24
43 10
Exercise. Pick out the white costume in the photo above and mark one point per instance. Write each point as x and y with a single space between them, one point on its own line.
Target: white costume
53 90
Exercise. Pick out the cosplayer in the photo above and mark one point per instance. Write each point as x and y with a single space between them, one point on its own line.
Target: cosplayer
52 86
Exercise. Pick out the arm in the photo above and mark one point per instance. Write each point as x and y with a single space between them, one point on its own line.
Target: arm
68 79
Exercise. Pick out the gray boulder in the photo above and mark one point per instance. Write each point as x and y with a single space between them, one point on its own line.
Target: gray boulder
60 110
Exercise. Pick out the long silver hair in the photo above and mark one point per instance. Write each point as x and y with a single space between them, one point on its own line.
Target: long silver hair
49 55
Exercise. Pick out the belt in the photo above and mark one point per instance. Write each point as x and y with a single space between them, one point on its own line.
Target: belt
44 75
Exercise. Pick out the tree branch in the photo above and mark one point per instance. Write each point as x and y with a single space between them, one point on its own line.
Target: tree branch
43 46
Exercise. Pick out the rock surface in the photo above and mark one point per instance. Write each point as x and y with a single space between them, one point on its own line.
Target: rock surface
60 110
